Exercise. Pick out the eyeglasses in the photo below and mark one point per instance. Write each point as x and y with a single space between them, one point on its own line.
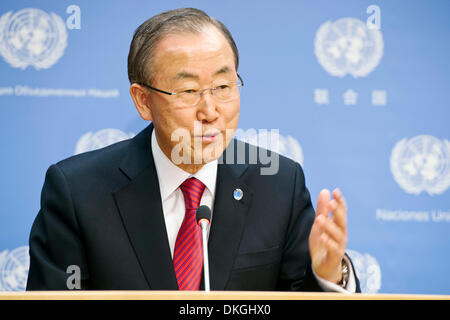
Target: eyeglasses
190 97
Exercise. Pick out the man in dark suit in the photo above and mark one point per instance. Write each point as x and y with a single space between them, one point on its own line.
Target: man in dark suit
120 216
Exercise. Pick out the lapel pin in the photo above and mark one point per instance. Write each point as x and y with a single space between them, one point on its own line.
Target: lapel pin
238 194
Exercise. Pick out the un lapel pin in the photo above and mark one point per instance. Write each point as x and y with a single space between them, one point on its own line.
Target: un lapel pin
238 194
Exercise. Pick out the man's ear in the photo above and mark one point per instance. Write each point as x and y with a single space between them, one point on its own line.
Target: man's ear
141 101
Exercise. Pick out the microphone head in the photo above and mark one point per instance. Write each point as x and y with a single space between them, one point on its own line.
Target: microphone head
203 213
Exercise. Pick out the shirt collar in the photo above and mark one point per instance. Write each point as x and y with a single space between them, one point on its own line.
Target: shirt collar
171 177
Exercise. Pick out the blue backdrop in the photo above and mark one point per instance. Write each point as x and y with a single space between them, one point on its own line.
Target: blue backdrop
359 91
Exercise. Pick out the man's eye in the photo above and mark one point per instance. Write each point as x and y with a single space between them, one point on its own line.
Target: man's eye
222 87
190 91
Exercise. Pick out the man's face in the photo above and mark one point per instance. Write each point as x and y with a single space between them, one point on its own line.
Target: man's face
193 62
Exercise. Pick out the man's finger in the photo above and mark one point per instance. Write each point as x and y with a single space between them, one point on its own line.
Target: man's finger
334 251
323 203
332 229
339 209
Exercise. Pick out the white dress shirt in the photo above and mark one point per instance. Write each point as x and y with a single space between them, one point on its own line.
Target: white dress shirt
170 178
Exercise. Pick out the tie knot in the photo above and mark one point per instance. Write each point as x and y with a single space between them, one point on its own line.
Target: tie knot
192 189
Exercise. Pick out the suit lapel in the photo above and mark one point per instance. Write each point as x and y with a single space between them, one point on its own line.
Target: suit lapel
140 207
228 223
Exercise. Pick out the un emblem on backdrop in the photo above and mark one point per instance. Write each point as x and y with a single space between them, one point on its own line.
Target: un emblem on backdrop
348 46
368 271
102 138
290 147
273 141
421 164
14 268
31 37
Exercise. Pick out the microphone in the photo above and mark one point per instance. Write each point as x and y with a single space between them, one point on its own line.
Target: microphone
203 219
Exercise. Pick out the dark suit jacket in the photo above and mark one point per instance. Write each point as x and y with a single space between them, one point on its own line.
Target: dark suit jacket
102 212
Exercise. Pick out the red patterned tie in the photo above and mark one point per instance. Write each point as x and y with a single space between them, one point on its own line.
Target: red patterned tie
187 257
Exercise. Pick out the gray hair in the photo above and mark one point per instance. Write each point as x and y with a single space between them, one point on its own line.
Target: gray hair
147 35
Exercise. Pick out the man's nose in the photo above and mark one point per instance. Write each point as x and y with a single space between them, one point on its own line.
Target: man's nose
207 107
